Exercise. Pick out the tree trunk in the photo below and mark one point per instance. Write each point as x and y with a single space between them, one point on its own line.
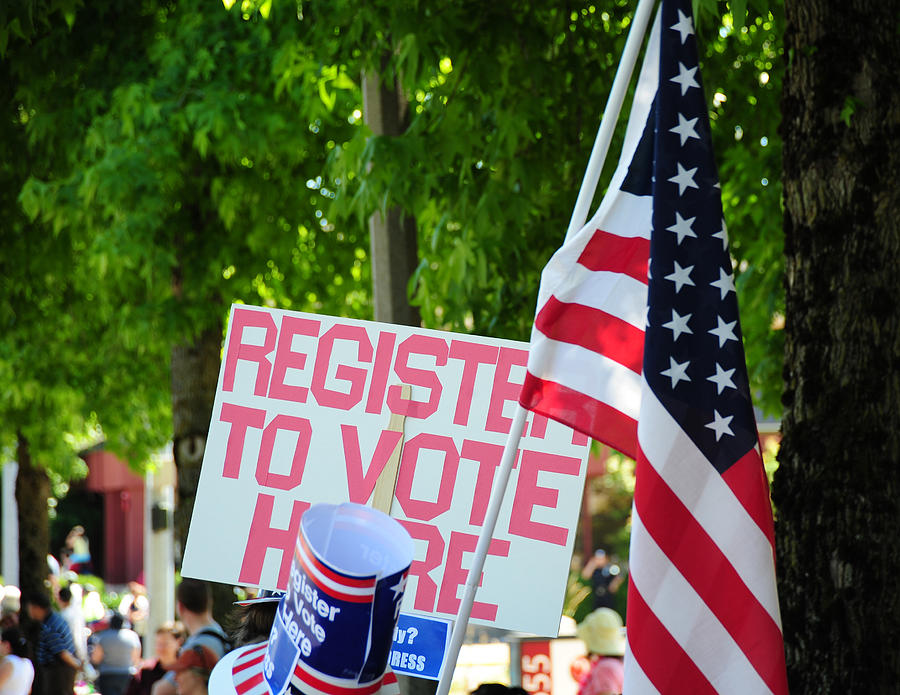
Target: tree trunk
32 493
195 373
392 234
837 490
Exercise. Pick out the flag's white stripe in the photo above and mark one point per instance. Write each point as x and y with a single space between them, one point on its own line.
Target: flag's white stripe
616 294
261 688
627 215
688 619
702 490
587 372
636 681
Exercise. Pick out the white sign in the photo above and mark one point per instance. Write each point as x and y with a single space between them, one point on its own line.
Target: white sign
300 417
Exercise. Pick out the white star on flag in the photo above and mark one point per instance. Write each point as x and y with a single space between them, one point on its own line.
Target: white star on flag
684 178
685 78
725 283
678 325
682 227
676 371
684 26
685 129
722 378
724 331
681 276
721 425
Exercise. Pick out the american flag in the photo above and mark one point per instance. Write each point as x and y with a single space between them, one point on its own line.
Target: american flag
637 343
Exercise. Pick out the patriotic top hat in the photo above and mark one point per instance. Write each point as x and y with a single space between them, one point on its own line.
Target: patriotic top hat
333 629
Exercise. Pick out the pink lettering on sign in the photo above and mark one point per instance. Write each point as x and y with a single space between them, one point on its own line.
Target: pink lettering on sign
380 371
488 457
455 575
263 537
286 358
280 481
426 378
472 355
504 390
240 418
238 350
355 376
426 587
361 485
424 509
530 495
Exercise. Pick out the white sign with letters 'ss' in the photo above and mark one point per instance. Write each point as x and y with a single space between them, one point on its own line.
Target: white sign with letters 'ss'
300 417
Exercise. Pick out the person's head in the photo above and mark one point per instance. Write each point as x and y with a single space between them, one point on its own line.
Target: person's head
169 638
64 596
116 621
12 641
37 605
194 595
601 557
498 689
192 670
253 617
602 633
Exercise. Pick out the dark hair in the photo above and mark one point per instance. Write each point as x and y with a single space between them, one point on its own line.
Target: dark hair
37 598
116 621
16 640
65 594
254 622
195 595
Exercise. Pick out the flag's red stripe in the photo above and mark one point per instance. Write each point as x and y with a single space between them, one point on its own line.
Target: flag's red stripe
626 255
580 412
661 658
306 677
348 581
747 480
249 684
334 593
592 329
690 549
243 665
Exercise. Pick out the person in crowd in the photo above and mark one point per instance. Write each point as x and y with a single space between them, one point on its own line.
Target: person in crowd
498 689
193 668
604 636
54 656
169 638
253 617
115 652
605 576
193 603
79 558
135 606
16 670
69 599
10 605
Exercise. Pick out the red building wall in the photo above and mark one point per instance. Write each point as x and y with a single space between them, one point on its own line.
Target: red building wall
123 515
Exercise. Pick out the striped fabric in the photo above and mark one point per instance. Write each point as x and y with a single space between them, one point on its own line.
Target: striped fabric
637 343
245 677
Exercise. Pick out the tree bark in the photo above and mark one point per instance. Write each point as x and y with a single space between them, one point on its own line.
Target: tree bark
393 239
32 493
195 371
837 490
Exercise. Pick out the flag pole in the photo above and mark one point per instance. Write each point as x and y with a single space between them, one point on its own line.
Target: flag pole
579 217
611 115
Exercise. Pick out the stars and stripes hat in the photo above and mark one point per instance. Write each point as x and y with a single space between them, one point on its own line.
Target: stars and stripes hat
333 628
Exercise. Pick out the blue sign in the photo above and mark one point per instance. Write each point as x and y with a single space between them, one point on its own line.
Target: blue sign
419 646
